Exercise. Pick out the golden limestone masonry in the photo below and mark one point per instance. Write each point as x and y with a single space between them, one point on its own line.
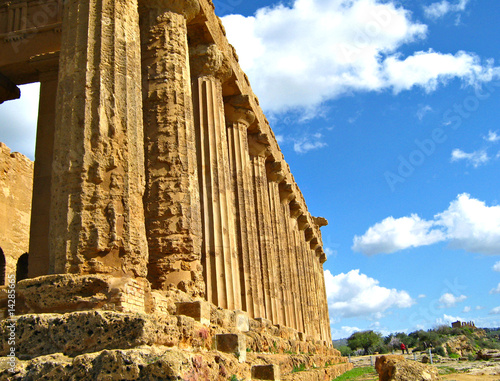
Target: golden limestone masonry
167 238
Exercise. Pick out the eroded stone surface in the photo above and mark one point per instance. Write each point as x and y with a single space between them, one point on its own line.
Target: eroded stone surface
16 177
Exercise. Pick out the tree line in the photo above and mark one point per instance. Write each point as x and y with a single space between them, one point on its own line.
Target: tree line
370 342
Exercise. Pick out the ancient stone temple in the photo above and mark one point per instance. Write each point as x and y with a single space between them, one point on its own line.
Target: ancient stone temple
157 180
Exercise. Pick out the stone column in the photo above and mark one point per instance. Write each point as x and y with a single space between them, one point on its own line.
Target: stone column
286 196
238 119
172 203
275 175
312 271
301 290
96 211
219 250
258 154
42 177
323 297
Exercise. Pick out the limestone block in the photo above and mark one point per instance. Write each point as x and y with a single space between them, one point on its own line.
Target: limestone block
199 311
264 323
266 372
241 321
232 343
396 368
67 292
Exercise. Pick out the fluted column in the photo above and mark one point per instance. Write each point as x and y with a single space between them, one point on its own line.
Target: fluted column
219 249
286 196
97 216
312 270
42 177
275 175
305 270
172 200
238 119
323 297
258 154
302 286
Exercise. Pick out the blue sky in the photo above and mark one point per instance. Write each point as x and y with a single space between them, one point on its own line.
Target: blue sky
388 114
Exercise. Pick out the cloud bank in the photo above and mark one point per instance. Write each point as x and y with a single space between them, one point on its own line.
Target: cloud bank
467 224
355 294
316 50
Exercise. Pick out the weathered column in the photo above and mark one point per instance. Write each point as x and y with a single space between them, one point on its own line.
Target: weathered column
275 175
97 216
323 297
42 177
312 271
304 275
172 203
238 119
219 250
301 292
258 154
286 196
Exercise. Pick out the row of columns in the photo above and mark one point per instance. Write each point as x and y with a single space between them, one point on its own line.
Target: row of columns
181 193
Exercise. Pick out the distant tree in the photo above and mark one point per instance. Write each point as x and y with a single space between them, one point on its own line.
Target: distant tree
365 340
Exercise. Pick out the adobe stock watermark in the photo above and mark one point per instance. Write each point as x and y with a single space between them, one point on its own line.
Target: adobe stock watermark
11 322
452 120
42 17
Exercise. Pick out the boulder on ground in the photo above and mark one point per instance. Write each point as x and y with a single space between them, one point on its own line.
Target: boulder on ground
396 368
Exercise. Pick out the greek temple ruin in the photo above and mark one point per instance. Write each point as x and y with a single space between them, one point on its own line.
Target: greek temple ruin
155 169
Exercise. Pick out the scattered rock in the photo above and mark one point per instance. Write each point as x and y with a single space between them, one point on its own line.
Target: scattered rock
396 368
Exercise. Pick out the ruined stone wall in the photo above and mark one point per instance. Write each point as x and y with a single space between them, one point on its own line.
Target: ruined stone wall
16 178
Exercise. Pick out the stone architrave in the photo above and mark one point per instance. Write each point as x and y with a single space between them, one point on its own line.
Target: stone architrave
238 119
209 68
172 203
96 211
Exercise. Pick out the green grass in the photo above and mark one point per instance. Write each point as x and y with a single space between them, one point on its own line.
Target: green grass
446 370
355 373
299 368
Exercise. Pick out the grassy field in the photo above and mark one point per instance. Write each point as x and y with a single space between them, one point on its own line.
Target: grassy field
359 374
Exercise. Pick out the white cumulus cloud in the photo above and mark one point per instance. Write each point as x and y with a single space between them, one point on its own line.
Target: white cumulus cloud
447 319
394 234
471 225
450 300
439 9
496 266
355 294
496 290
300 55
495 311
475 158
492 137
467 224
467 309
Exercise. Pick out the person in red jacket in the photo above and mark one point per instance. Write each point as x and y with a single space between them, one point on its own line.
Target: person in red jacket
403 348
